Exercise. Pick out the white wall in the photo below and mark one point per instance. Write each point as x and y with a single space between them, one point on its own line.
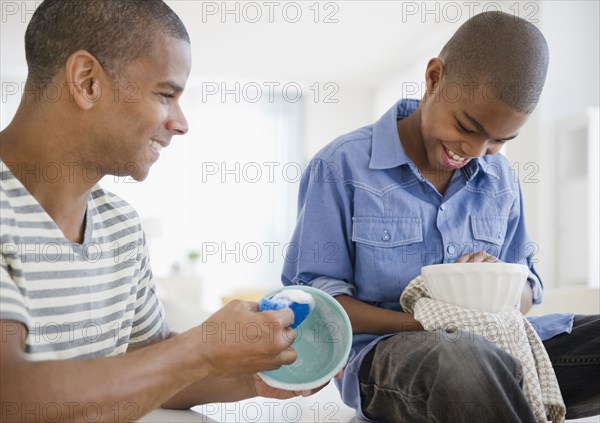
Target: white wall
572 85
373 56
326 121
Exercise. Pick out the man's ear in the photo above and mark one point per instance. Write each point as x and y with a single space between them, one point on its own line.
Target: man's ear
84 73
434 74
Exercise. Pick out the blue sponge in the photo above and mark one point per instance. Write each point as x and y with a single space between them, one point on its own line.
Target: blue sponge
301 303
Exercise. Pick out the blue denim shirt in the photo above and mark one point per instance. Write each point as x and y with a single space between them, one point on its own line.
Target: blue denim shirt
368 221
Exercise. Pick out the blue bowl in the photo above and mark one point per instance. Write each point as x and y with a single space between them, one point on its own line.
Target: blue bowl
323 343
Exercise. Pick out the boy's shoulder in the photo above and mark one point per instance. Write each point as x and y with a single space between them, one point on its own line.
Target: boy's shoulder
498 170
353 146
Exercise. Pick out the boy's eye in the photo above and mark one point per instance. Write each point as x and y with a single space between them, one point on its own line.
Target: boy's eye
461 128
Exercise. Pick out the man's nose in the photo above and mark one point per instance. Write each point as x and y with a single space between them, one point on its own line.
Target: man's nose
177 122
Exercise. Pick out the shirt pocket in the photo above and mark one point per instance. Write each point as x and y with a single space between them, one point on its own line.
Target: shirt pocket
489 231
386 248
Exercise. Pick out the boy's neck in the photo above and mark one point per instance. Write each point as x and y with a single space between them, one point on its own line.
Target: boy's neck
411 138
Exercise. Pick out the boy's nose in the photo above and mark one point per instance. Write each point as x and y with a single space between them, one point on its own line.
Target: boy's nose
476 149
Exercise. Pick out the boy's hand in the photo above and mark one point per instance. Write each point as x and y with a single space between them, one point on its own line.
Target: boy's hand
479 257
483 257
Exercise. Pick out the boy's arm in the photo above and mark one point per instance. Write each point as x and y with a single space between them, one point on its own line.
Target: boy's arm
325 258
366 318
519 248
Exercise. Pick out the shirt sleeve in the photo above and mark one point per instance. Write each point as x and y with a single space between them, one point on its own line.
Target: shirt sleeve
13 298
519 248
13 304
149 319
321 253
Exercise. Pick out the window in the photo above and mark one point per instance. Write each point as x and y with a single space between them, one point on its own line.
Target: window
226 190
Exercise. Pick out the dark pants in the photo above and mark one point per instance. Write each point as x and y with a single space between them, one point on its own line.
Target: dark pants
460 377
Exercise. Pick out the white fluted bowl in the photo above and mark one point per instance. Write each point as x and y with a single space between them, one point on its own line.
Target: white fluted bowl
491 287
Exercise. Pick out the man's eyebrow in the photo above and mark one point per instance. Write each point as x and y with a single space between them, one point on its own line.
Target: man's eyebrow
170 85
481 129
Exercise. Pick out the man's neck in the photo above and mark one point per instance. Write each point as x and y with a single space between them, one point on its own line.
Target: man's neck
55 178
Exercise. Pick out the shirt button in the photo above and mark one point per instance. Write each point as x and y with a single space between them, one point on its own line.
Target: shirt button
442 208
386 236
450 249
499 235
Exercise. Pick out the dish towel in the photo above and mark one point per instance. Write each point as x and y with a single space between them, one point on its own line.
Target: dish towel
508 330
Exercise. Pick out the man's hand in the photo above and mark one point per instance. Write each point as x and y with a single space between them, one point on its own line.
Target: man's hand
261 389
238 340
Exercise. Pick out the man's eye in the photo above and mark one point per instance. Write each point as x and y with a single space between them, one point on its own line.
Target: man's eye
165 96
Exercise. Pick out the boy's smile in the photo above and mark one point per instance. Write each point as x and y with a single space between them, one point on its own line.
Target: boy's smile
453 160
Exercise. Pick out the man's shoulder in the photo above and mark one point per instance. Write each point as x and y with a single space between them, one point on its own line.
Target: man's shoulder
110 205
14 199
7 214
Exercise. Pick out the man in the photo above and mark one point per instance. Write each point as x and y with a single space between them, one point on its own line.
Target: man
77 291
425 185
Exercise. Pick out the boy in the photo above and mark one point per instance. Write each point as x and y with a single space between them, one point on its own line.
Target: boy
424 185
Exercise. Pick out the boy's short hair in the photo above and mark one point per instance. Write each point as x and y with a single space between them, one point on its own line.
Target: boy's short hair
116 32
507 54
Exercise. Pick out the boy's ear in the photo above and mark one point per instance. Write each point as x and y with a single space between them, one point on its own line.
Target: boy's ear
83 72
434 74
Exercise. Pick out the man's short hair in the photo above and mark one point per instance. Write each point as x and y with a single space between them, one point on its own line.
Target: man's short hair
116 32
507 54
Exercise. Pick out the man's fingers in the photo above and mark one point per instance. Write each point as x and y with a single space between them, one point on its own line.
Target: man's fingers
285 316
242 305
287 356
309 392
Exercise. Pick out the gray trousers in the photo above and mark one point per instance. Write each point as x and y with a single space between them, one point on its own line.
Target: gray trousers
461 377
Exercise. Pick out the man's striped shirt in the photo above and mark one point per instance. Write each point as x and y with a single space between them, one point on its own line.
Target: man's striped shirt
77 300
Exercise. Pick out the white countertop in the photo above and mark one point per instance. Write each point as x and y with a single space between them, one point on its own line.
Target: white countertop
161 415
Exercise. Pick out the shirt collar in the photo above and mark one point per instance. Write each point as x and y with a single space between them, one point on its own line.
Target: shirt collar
387 150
